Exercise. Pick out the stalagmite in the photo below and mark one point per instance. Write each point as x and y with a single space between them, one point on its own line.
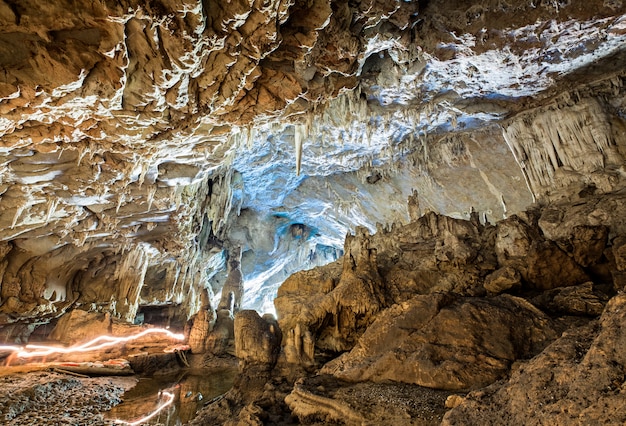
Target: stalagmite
202 325
233 290
257 339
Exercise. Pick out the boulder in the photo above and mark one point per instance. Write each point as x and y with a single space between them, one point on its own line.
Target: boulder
503 279
575 300
588 243
548 267
542 264
578 379
444 341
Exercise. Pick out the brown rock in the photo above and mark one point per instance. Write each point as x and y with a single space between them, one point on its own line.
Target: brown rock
588 243
332 316
541 263
454 401
257 339
446 342
81 326
324 398
414 206
578 379
558 221
619 253
453 249
575 300
203 323
513 240
549 267
221 339
502 280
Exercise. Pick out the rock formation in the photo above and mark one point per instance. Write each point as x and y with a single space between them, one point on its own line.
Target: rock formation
257 339
413 312
201 325
442 342
576 380
232 291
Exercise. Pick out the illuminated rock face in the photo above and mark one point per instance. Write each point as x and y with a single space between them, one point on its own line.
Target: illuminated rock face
141 143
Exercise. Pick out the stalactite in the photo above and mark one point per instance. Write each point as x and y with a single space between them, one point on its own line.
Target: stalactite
299 135
52 205
151 193
575 138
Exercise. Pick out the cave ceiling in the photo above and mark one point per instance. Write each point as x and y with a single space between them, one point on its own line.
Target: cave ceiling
141 142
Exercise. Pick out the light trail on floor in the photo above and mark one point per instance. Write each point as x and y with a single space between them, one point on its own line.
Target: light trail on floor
168 401
100 342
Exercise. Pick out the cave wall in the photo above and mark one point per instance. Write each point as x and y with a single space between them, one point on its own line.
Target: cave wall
141 142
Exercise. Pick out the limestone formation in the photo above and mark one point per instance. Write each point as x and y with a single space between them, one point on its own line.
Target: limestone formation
134 135
176 162
575 300
220 339
344 310
576 380
542 263
232 291
506 278
257 339
445 342
328 400
202 325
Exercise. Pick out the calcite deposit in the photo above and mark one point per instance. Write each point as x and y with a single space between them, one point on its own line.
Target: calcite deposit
425 192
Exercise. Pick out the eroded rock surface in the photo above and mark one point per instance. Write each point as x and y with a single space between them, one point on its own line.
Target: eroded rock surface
443 342
576 380
51 398
177 160
423 314
142 141
257 339
326 399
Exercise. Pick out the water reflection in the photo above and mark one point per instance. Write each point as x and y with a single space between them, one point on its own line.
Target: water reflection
191 388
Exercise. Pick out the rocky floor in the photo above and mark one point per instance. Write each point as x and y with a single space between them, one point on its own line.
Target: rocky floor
46 398
325 400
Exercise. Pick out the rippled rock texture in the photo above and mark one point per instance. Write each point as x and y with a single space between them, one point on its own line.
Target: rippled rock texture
407 327
579 379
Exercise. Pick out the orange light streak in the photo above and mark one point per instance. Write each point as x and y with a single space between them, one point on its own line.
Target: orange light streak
100 342
168 402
